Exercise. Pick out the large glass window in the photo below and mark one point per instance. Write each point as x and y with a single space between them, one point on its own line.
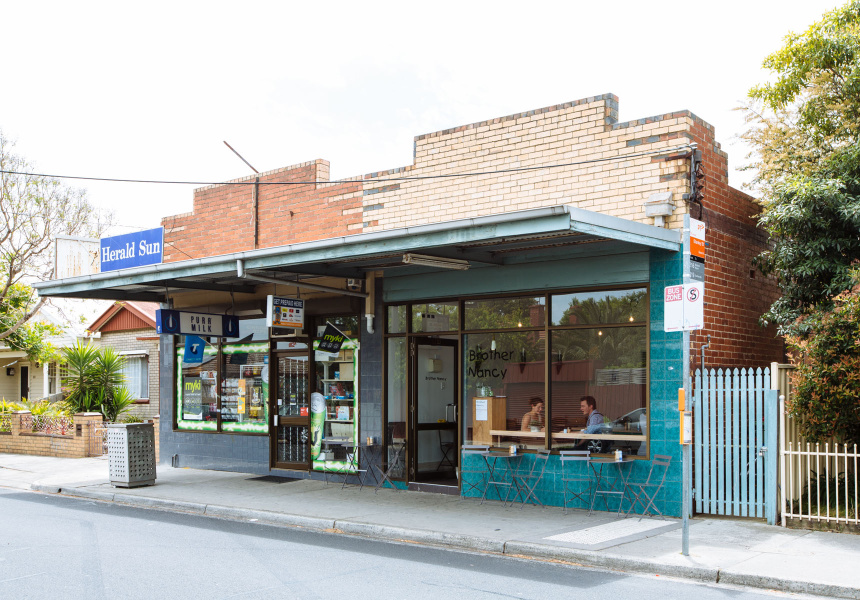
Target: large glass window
566 369
228 391
244 387
599 374
197 391
503 374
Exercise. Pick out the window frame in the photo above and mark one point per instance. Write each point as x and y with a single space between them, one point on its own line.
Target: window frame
546 330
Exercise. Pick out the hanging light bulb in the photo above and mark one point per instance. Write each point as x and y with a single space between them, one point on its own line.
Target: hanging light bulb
631 318
599 333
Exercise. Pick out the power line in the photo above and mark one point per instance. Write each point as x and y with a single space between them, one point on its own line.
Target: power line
369 180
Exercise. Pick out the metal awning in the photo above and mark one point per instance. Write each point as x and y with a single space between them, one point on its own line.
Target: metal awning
494 239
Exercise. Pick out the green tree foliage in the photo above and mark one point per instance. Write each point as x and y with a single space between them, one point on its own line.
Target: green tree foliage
827 377
805 132
33 211
31 337
94 381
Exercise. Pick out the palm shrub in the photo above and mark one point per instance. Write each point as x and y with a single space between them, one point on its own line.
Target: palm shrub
95 382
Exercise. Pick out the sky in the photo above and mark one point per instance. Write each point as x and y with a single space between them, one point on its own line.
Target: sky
151 90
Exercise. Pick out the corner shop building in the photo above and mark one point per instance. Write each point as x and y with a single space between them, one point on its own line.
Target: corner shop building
562 298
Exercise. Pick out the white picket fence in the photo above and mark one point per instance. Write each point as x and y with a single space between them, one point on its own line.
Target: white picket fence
818 482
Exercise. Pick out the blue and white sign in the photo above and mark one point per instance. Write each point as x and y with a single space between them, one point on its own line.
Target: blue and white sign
180 322
194 346
132 250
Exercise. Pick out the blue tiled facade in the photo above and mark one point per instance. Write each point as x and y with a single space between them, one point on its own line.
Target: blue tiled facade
665 377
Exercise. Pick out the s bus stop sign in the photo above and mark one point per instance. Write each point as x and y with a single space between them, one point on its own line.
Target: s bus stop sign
684 307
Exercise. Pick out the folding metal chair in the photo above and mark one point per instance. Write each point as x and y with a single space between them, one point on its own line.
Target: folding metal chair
477 481
526 483
575 472
446 448
649 488
392 467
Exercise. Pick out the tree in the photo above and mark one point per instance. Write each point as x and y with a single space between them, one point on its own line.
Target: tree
805 134
34 209
827 375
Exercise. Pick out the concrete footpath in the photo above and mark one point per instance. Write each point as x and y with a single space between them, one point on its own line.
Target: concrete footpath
734 551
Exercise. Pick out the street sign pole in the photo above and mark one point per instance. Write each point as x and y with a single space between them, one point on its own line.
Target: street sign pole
686 449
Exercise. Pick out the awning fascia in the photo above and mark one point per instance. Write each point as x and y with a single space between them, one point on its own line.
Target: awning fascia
506 226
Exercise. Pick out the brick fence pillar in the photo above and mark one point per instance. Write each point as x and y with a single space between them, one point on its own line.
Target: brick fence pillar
17 422
87 441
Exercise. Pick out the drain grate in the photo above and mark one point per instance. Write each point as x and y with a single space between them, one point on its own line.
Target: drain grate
601 534
273 479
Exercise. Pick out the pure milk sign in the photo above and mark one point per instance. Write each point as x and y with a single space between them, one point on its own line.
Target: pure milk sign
132 249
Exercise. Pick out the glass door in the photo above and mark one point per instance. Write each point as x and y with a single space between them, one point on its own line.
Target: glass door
433 447
290 430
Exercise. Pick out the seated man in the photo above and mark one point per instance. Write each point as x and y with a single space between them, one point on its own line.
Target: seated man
593 424
535 417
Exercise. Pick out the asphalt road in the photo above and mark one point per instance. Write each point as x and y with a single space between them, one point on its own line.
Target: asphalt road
59 548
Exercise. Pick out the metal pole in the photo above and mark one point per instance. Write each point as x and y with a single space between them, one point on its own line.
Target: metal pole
686 454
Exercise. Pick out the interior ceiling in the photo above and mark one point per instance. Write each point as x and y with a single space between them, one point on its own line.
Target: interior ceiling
333 273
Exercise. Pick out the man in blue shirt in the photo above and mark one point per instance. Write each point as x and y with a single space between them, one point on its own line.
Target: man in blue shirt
594 422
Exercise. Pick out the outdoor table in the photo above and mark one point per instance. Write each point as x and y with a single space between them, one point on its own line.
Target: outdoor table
364 452
500 476
613 485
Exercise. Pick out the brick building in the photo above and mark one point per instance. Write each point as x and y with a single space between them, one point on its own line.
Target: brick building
129 328
513 260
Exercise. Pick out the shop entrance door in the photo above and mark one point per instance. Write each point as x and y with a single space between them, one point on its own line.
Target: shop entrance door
433 447
290 409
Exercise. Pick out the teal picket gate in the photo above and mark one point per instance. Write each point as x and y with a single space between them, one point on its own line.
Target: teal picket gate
735 443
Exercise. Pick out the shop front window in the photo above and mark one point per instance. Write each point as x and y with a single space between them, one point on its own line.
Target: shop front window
599 373
244 387
504 375
197 391
228 391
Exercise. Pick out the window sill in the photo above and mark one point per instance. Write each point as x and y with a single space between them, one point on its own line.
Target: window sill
141 401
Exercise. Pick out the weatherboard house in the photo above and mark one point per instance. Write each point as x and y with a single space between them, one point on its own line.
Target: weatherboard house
508 289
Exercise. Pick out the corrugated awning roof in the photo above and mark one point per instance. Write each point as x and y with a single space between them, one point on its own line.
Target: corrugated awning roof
492 239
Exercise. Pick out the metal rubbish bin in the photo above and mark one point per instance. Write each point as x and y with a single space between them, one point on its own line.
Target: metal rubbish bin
131 454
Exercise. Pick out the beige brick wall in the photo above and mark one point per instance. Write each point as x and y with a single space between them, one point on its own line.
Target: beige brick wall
628 167
124 341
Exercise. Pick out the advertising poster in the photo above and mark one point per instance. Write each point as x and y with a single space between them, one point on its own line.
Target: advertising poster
285 312
193 402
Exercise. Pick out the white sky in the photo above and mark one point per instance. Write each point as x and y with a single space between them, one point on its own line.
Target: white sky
150 90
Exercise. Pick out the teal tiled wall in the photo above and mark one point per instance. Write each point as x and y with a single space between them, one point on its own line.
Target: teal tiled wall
666 376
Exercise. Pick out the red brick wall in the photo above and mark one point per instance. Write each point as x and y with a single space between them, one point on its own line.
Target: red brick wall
735 294
222 220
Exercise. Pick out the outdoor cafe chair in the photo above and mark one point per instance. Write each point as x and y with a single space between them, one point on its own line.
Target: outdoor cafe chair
473 478
649 488
575 476
526 482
